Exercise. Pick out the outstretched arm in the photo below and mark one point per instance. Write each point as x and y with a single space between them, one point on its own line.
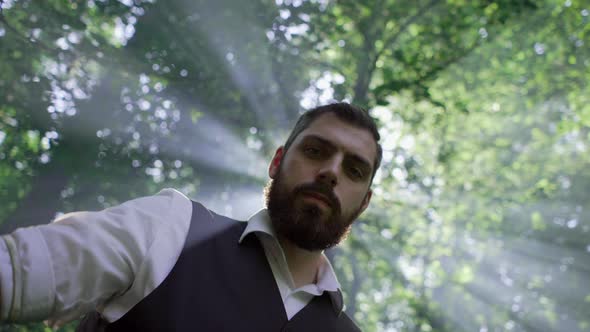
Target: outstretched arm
89 260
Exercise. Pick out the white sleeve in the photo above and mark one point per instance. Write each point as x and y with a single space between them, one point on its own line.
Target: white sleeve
108 260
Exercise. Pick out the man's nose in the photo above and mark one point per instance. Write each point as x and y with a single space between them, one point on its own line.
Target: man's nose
328 174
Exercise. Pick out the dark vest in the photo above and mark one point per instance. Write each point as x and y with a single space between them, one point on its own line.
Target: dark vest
218 284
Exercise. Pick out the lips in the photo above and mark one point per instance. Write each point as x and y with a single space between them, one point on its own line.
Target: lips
319 196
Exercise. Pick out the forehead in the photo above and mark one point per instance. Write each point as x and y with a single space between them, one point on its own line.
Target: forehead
348 137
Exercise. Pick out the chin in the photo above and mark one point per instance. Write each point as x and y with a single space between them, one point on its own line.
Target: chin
313 208
313 211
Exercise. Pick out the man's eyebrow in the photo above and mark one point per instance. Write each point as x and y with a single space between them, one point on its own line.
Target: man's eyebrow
320 139
355 157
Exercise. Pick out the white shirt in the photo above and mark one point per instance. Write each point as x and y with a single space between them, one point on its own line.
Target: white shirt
111 259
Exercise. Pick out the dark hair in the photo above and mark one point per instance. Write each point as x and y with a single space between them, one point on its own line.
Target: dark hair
346 112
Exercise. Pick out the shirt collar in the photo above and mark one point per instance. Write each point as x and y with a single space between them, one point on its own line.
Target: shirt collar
327 281
259 222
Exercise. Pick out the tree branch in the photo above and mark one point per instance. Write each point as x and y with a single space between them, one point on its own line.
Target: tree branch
421 12
29 40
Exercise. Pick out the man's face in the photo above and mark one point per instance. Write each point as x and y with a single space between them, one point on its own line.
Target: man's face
321 184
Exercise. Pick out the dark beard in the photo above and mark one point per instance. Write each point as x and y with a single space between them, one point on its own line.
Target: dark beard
305 224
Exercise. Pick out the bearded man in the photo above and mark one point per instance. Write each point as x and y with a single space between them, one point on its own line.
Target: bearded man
166 263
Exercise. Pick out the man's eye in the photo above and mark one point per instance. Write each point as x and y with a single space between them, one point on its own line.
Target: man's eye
356 173
311 151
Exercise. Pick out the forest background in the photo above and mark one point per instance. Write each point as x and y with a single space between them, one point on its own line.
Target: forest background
480 218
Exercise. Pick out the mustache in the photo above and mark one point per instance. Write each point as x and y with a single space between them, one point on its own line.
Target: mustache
322 189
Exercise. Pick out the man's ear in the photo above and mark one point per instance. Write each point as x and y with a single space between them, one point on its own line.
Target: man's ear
275 163
366 200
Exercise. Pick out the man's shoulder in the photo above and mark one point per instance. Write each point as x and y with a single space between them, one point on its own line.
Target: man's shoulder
168 194
206 223
165 204
176 202
202 213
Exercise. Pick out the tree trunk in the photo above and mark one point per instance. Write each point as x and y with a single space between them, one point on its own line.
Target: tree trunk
355 288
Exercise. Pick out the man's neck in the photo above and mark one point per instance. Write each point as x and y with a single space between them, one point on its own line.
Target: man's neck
303 264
